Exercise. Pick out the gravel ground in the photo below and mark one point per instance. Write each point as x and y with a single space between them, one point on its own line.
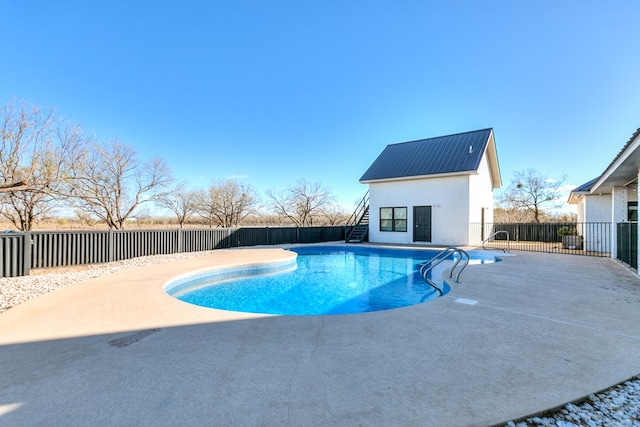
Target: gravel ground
617 406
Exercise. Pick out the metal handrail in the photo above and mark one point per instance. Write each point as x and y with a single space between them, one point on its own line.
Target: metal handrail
356 216
439 258
494 235
353 219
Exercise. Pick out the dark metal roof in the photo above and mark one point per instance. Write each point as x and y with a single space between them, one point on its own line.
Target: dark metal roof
582 189
585 187
456 153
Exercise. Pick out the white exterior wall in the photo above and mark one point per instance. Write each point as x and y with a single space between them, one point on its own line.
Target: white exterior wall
480 198
448 197
581 209
594 208
619 205
597 208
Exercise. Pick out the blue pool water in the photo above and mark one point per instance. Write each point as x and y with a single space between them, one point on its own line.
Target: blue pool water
322 280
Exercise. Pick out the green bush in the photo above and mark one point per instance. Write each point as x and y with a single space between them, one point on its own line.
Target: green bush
565 230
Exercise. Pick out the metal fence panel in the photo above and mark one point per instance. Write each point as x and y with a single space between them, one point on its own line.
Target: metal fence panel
65 248
282 235
129 244
310 235
333 234
584 238
627 243
12 248
46 249
249 237
197 240
321 234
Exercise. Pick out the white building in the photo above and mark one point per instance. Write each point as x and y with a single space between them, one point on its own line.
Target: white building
613 198
433 190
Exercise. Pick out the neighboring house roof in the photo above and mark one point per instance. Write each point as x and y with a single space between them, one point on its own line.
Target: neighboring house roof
456 154
586 187
582 189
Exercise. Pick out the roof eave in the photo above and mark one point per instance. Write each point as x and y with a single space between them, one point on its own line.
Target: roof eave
601 185
414 177
494 166
574 197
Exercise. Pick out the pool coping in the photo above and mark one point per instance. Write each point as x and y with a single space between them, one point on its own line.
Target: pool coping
145 290
515 351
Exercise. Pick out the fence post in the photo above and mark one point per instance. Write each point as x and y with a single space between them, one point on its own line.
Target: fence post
180 241
26 253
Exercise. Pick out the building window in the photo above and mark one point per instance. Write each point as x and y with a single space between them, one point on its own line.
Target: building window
393 219
632 211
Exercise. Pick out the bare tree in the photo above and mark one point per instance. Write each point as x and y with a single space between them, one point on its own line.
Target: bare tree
301 203
110 183
334 215
182 203
529 190
35 148
85 219
511 215
226 203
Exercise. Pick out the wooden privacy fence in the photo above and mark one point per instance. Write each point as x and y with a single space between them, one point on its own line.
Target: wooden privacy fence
22 251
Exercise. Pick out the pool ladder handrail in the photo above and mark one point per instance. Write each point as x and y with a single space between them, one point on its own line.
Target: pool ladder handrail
439 258
494 235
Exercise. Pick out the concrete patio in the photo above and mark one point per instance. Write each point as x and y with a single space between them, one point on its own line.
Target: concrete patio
545 329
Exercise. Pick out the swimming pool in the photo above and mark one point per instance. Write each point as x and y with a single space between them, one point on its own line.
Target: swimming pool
321 280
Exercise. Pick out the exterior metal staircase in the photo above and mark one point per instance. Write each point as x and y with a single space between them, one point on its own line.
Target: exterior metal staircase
358 225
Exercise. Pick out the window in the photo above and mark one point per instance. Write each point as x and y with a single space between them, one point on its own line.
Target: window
393 219
632 211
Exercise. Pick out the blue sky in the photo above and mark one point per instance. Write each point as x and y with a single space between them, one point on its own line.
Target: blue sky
270 92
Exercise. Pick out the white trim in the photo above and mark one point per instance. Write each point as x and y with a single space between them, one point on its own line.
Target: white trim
412 177
494 165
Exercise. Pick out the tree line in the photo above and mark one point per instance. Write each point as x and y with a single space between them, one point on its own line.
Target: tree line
48 164
531 197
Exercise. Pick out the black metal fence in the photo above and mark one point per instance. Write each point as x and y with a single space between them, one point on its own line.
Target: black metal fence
581 238
22 251
13 252
627 243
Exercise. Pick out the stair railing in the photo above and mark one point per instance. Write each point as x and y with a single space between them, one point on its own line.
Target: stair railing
356 216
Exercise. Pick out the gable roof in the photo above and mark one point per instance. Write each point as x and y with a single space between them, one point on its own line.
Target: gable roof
621 172
455 154
582 189
586 187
